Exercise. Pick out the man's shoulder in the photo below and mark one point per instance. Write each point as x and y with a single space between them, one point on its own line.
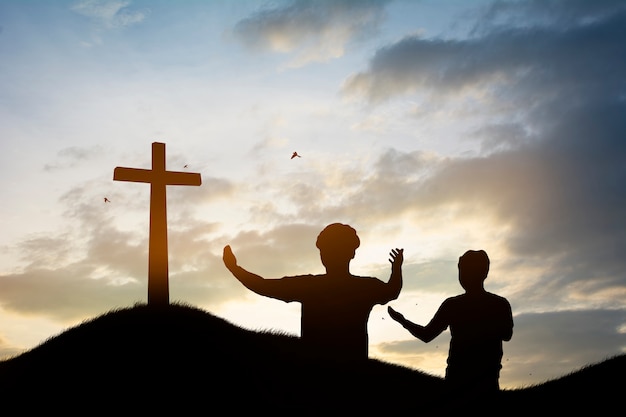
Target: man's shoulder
497 297
455 298
365 279
467 298
452 302
303 277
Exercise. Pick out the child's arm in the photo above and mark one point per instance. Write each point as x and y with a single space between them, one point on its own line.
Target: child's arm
423 333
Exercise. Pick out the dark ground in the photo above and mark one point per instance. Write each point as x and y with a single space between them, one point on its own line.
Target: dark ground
184 360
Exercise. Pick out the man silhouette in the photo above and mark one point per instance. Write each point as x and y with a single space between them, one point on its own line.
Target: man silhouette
479 321
335 305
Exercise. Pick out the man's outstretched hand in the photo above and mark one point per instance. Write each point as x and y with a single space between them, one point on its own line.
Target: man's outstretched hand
229 257
395 315
396 257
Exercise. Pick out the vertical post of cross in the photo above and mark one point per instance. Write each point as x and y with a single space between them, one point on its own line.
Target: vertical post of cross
158 259
158 178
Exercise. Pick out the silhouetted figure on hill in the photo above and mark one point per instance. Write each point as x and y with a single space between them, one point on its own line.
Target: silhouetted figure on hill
335 305
479 321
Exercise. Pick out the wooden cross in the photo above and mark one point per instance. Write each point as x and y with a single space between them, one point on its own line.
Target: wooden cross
158 178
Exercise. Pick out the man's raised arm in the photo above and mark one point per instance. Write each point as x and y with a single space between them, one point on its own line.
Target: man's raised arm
273 288
251 281
395 281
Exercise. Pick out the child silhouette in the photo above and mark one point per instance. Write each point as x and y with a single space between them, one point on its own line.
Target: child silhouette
335 305
479 321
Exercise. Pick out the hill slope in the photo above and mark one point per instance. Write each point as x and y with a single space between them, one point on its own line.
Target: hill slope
182 359
595 389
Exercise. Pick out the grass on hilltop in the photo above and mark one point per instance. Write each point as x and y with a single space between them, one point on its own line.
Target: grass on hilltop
183 359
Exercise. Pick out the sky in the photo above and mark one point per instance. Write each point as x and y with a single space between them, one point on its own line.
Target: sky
432 126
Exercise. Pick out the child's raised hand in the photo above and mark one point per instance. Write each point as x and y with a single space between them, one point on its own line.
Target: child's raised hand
395 315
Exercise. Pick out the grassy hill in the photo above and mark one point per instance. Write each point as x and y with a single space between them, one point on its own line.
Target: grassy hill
182 359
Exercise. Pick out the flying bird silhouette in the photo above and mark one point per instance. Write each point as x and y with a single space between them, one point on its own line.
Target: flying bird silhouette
186 166
106 200
294 155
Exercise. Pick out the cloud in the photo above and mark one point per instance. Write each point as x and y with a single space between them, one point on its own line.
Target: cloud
518 62
553 202
211 189
72 156
295 242
88 268
544 13
98 259
110 13
551 174
316 31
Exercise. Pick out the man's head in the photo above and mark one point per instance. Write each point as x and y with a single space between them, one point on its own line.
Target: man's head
337 243
473 269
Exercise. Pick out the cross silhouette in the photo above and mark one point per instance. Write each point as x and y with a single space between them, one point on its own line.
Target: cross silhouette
158 177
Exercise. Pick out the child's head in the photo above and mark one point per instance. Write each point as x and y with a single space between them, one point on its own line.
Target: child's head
473 269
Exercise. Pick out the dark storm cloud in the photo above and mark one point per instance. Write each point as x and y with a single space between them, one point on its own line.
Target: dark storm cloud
558 182
546 12
528 63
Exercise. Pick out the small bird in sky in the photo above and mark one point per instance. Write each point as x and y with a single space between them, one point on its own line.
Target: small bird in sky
293 155
186 166
106 200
